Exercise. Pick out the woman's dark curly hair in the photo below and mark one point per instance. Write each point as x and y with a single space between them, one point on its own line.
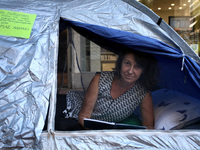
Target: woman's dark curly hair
149 77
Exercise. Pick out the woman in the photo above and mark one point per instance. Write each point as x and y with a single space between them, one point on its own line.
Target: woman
113 96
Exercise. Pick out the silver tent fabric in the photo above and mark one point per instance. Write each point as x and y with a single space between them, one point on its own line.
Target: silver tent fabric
117 15
122 139
126 15
168 30
28 77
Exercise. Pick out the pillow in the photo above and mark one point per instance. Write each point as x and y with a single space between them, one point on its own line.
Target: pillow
195 126
174 110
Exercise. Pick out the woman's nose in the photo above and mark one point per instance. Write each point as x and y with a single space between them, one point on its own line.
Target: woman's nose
131 70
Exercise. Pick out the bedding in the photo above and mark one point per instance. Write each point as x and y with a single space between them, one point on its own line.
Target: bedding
174 110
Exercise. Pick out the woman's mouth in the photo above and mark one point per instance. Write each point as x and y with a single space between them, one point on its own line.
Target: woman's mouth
129 77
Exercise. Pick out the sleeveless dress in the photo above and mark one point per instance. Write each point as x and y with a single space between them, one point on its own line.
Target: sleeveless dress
107 108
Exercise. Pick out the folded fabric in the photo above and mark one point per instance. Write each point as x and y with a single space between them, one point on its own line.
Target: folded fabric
174 110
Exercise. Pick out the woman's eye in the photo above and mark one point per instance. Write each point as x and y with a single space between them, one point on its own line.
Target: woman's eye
138 66
127 63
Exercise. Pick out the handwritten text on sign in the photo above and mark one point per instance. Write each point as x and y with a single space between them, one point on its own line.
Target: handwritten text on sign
16 24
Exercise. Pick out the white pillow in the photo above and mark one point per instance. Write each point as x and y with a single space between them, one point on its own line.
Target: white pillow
174 110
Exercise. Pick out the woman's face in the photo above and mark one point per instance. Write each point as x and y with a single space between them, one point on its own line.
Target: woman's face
130 70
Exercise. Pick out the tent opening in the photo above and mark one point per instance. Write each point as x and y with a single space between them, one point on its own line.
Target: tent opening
79 59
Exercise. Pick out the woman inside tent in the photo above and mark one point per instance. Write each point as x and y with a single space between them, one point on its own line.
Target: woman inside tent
113 96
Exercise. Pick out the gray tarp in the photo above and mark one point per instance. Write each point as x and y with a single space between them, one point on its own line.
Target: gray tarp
122 140
28 78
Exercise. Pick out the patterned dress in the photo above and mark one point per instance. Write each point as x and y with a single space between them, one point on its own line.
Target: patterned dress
107 108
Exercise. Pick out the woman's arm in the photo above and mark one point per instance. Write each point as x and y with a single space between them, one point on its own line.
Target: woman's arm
89 100
147 111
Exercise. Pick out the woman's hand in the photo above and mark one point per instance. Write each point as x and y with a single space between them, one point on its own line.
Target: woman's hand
89 100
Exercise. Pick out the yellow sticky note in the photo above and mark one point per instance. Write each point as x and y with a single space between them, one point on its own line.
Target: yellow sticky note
16 24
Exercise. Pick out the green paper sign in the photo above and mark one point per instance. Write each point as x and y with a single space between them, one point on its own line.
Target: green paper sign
16 24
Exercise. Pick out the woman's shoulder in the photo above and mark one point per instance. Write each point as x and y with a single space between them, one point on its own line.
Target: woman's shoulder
96 77
139 86
106 78
103 75
107 73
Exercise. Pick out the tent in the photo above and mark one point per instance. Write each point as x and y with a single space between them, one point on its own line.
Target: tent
29 67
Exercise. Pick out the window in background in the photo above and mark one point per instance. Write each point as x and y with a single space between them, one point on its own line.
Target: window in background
95 58
182 15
